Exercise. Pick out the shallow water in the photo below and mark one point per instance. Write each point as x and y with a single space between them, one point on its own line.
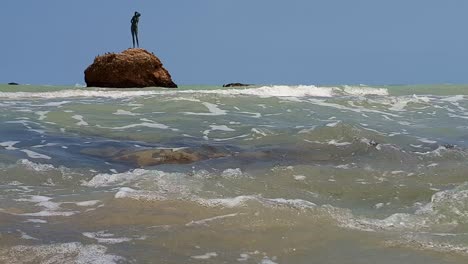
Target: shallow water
287 174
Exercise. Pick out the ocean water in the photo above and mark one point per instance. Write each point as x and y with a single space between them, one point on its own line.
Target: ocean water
266 174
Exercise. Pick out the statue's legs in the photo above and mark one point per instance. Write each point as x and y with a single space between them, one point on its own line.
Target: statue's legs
136 35
133 38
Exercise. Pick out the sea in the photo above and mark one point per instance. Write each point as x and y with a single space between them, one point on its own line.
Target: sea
207 174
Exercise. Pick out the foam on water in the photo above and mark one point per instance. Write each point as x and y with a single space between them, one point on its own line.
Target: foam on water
88 203
212 108
206 256
363 90
75 93
42 114
124 112
211 219
35 155
101 180
283 91
221 128
146 123
9 145
74 252
50 208
81 122
35 166
106 238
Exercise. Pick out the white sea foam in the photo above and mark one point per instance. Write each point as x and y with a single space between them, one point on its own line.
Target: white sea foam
88 203
284 91
334 124
299 177
232 173
211 219
35 166
212 108
56 103
26 236
147 184
74 252
124 112
9 145
35 155
363 90
51 208
81 122
130 193
221 127
75 93
262 132
206 256
105 179
453 99
42 114
428 141
242 200
106 238
267 260
338 144
145 124
36 221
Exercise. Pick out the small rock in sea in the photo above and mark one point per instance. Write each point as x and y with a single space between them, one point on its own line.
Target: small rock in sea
157 156
449 146
13 83
373 143
236 85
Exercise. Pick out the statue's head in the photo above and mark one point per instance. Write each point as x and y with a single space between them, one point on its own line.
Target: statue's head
137 14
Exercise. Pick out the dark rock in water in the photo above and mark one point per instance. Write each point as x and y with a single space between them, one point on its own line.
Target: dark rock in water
449 146
373 143
133 68
13 83
236 85
152 157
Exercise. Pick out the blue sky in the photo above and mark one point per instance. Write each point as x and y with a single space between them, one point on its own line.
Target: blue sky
252 41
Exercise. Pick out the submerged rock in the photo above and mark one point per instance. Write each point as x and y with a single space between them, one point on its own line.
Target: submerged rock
236 85
129 69
153 157
157 156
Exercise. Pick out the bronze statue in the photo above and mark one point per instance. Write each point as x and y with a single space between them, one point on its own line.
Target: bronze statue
134 28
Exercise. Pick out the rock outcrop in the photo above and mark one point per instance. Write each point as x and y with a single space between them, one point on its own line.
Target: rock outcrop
236 85
133 68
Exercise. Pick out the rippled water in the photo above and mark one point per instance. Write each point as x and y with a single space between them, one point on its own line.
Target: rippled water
270 174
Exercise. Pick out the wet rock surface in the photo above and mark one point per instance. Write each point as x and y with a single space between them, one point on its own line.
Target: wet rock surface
132 68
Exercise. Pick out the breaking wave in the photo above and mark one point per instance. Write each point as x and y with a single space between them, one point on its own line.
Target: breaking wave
262 91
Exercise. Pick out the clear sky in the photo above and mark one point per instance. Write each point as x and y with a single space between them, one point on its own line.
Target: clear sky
252 41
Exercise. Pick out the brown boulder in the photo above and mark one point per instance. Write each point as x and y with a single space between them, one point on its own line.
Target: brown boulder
131 68
152 157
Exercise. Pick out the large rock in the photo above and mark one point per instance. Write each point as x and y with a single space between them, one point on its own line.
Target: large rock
131 68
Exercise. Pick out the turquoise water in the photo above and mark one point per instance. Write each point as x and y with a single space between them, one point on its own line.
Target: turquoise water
205 174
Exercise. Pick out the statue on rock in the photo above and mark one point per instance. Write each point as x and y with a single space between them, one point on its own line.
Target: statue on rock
134 28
